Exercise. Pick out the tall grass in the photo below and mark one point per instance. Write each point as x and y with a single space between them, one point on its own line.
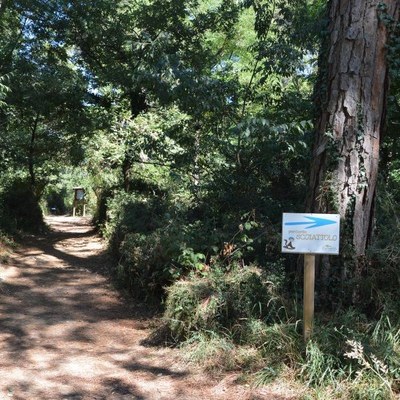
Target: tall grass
354 359
223 327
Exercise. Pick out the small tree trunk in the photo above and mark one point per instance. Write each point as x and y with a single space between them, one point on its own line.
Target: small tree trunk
138 104
352 99
31 156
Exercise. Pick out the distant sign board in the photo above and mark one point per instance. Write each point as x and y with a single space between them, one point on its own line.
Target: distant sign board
79 193
310 233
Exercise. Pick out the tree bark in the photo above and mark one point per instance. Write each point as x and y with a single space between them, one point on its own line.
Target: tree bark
138 105
352 89
31 156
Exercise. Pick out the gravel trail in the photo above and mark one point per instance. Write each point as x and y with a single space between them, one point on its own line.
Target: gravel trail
66 333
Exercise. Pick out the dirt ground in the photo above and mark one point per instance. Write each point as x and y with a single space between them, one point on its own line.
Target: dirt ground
66 333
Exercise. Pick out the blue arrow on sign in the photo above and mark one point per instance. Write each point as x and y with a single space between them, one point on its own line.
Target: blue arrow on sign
313 223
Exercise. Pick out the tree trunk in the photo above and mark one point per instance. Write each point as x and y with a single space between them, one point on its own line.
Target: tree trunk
352 91
31 155
138 105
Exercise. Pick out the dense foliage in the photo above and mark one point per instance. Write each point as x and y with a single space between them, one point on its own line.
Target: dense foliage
190 126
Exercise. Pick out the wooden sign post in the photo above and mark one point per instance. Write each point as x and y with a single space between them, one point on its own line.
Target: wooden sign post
308 296
310 234
79 199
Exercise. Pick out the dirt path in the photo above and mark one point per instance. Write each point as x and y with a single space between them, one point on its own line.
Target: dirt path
65 333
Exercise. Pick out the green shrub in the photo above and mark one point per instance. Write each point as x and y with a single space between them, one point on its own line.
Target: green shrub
220 302
128 214
145 262
55 201
20 208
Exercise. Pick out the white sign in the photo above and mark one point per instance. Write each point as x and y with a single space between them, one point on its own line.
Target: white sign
310 233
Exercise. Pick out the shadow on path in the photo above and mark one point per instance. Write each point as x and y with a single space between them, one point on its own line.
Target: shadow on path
64 332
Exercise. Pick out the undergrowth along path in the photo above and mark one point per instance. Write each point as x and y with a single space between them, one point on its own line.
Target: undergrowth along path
66 333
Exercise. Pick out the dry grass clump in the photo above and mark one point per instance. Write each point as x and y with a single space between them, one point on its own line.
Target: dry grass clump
220 302
235 321
6 247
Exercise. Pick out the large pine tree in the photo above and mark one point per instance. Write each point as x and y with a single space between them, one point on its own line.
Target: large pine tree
352 90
